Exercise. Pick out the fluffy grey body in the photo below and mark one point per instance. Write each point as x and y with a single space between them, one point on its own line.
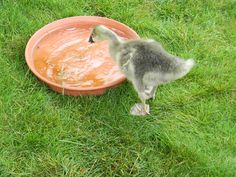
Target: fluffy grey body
144 62
147 65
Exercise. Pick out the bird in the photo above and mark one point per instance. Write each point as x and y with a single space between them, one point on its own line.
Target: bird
144 62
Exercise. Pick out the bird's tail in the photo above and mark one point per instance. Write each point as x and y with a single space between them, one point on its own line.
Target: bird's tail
189 64
186 67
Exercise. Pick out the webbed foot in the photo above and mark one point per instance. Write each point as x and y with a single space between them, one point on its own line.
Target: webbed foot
140 109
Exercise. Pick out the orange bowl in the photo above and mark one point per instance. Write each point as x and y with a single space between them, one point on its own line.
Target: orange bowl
60 55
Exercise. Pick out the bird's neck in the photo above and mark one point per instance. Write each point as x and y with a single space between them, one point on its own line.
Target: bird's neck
113 38
114 44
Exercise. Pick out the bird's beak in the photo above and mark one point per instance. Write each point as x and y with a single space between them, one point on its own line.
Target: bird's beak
91 39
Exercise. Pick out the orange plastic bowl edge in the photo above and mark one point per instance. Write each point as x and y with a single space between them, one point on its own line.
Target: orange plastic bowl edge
75 91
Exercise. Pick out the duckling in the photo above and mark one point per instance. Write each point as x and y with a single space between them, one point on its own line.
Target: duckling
145 63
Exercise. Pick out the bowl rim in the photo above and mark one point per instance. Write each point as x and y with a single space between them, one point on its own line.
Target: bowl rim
36 37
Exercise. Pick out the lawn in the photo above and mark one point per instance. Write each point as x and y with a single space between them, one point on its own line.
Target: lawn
192 127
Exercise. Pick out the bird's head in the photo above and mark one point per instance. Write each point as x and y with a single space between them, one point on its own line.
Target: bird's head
99 33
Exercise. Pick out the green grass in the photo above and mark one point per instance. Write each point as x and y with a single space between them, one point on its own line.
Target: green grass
192 127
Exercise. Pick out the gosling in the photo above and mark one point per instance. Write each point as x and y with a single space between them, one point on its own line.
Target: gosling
145 63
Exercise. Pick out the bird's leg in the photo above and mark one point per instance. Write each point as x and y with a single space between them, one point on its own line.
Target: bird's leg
140 108
150 91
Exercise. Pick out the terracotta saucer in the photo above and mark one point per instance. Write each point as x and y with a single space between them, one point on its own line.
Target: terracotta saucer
60 55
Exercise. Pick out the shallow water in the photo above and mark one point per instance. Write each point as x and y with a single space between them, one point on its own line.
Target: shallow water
66 57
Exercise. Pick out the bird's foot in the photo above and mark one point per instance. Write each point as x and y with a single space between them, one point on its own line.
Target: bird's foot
139 109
